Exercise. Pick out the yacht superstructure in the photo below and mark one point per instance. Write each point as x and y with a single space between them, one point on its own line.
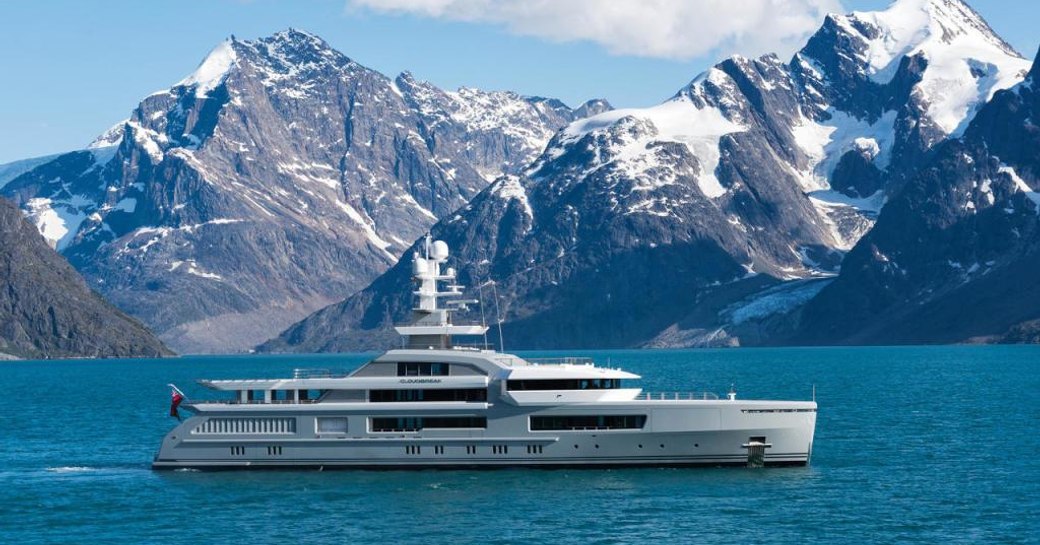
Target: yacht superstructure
435 404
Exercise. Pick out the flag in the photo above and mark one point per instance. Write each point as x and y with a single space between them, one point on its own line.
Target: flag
175 400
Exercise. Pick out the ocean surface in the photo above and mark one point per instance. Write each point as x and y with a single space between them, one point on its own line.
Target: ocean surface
913 445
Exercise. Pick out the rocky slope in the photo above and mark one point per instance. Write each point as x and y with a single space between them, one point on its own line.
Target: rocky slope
278 177
953 258
695 221
47 310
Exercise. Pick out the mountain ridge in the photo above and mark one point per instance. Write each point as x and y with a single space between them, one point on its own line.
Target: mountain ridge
277 177
658 223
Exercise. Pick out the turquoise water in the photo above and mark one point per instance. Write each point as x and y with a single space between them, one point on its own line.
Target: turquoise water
913 445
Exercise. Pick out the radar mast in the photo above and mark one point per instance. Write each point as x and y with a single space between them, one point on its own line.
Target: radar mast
431 325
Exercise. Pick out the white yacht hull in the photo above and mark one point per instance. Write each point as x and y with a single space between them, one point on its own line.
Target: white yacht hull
679 433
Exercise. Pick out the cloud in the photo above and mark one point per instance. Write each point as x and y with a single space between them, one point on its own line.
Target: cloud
671 29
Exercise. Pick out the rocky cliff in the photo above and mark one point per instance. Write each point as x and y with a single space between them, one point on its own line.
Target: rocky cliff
47 310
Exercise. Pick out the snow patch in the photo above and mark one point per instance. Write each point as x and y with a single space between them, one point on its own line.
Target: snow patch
1021 185
510 188
367 228
825 143
193 269
677 120
110 138
146 139
213 70
57 222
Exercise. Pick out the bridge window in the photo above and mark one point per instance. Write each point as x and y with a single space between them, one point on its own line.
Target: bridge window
458 394
392 424
416 369
564 384
307 396
588 422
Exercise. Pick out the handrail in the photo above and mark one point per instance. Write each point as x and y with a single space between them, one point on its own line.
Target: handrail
317 373
251 402
472 346
678 396
567 360
462 323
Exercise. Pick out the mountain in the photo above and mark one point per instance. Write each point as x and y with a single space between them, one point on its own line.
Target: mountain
701 220
47 310
278 177
953 258
14 169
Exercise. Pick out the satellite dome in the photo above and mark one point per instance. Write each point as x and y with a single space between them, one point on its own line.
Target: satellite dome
440 250
419 266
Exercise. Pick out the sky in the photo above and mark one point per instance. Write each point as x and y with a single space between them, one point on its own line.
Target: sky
71 69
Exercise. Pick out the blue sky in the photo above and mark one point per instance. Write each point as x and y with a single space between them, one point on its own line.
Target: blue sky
71 69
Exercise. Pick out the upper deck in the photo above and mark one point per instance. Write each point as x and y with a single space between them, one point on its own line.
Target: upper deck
431 369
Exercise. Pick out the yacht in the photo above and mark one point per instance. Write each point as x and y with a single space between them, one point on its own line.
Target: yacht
436 404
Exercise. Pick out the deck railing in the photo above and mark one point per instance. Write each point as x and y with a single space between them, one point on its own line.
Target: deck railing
250 402
560 361
317 373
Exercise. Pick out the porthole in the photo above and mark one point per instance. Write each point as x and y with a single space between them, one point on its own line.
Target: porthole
696 445
575 446
597 446
662 445
640 446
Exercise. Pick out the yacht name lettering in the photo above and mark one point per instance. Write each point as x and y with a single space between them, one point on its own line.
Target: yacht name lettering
419 380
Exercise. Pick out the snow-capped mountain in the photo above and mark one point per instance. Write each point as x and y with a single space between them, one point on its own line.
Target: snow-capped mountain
953 257
278 177
731 202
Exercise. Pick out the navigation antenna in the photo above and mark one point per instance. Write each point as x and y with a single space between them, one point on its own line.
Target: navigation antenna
483 319
498 314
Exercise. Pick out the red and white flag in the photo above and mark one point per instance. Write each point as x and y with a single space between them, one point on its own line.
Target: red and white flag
175 400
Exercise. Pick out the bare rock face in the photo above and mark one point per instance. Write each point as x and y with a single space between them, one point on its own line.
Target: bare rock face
713 217
47 310
277 178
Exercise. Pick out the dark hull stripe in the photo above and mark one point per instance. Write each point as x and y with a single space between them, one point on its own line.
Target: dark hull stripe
368 464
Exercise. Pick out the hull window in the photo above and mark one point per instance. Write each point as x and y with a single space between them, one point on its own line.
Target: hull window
419 423
564 384
422 369
458 394
310 396
330 424
588 422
